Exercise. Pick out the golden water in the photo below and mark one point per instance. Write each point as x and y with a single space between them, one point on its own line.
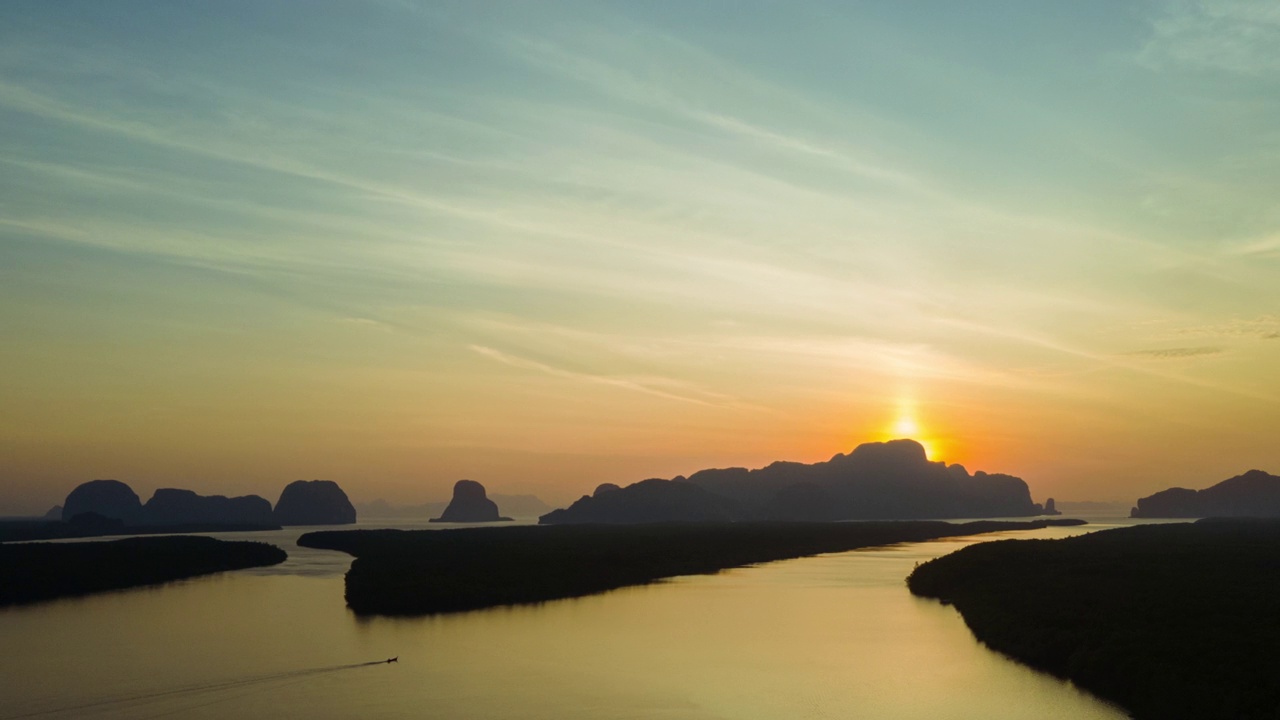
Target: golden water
836 636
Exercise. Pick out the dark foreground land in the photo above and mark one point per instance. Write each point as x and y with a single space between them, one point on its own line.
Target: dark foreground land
1168 621
29 530
421 572
45 571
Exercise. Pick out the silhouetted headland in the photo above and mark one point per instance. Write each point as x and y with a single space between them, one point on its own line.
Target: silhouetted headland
422 572
877 481
470 505
1169 621
32 572
1253 494
314 502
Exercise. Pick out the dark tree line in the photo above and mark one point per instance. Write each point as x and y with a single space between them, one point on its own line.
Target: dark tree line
421 572
32 572
1169 621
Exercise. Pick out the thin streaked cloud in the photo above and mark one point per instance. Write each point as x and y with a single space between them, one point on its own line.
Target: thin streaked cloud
665 388
1237 36
1178 353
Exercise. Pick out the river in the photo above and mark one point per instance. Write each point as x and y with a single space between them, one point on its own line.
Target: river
833 636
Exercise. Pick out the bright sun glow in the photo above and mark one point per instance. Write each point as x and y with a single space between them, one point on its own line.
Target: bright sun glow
907 427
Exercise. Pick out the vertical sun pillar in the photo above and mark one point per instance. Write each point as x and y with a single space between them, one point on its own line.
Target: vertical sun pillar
905 426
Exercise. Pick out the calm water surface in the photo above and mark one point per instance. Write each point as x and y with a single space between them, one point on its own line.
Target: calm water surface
835 636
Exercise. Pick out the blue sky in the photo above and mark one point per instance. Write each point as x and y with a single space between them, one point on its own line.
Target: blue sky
548 245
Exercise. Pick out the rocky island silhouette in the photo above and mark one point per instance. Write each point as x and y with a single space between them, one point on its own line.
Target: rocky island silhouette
314 502
470 505
1252 494
111 507
876 481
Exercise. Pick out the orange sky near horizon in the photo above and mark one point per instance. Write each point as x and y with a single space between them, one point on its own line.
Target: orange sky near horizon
396 244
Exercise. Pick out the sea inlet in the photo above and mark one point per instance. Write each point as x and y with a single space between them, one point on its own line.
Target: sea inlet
833 636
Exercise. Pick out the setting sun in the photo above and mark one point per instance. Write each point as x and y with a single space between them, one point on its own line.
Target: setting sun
906 426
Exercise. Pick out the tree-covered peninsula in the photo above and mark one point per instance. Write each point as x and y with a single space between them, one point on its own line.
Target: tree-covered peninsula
421 572
1171 622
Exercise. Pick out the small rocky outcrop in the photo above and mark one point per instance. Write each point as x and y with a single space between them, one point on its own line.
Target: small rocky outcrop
470 504
517 506
1050 508
314 502
1253 494
108 498
170 506
55 513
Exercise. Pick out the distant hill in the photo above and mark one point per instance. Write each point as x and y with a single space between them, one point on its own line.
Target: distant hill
1253 494
877 481
1094 507
518 506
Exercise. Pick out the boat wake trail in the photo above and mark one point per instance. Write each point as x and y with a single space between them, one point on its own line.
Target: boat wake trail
201 694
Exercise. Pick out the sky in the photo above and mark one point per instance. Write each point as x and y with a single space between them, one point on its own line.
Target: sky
547 245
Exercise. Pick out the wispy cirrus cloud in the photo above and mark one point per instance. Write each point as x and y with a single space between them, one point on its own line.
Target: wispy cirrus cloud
1268 247
1237 36
1178 353
666 388
1264 326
